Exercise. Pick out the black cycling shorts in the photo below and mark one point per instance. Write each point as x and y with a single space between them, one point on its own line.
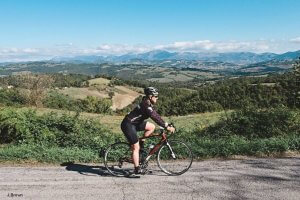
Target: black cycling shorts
130 130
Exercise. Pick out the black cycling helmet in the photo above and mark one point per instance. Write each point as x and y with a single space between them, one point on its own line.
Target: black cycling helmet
151 91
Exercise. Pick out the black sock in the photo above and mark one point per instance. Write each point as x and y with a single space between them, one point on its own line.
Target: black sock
137 169
142 144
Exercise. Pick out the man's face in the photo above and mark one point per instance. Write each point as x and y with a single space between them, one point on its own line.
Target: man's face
153 99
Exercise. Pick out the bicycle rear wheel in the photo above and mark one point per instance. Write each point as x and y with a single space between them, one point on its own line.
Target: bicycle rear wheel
117 159
174 157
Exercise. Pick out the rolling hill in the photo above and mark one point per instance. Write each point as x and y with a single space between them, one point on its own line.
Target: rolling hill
236 58
162 66
122 96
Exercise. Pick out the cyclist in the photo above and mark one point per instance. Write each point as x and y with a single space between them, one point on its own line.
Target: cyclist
135 121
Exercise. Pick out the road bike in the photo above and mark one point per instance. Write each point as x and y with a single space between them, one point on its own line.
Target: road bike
173 157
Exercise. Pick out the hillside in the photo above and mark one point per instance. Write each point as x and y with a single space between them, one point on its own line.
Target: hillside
122 96
236 58
162 66
160 71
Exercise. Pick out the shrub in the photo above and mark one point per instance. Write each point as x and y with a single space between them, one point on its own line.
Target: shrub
89 104
42 153
26 127
95 105
252 123
59 101
11 97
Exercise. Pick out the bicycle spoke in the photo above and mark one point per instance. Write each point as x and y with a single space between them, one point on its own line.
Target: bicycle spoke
118 159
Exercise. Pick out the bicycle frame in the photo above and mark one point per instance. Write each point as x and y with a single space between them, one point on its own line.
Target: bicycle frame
158 145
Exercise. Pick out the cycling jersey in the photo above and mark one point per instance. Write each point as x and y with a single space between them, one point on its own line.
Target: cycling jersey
143 111
135 120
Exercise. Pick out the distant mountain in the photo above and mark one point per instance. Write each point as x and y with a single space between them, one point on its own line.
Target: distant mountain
157 55
243 57
288 56
6 63
79 59
161 65
239 58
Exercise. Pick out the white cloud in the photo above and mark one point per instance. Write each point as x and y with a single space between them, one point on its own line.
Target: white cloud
192 46
30 50
12 51
23 54
295 40
207 45
122 48
69 49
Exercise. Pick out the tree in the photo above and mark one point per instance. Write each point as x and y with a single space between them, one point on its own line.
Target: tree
296 68
296 71
36 86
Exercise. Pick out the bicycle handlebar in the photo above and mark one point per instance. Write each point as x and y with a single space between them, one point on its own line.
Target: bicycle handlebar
162 129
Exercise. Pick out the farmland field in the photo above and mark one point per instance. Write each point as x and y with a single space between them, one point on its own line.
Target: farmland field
121 96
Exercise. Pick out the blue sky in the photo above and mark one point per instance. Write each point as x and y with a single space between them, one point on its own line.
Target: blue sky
34 29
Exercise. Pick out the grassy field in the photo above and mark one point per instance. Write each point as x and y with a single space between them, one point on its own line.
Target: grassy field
36 153
113 121
82 93
100 88
60 137
99 81
181 122
123 96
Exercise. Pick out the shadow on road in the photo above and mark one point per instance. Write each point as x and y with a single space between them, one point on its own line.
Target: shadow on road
274 165
87 170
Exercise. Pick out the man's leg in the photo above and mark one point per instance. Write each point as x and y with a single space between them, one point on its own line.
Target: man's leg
149 129
135 154
130 132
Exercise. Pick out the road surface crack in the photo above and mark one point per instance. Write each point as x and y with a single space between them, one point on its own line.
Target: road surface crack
194 191
122 188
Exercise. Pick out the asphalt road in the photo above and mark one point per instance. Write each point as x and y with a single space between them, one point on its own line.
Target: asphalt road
211 179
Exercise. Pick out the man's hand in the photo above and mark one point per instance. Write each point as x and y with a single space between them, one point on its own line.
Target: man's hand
171 129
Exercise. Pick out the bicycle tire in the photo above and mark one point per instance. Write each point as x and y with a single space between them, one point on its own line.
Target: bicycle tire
174 165
117 159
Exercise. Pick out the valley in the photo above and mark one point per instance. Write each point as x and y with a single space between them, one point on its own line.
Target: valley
162 66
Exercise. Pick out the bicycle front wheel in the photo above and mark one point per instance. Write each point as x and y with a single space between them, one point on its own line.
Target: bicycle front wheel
174 157
117 159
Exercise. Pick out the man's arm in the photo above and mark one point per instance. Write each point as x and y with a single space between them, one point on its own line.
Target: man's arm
156 117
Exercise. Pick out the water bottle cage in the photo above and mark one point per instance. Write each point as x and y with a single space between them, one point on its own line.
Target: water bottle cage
151 147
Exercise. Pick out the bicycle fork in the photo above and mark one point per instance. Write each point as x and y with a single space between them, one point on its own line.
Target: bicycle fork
156 148
171 150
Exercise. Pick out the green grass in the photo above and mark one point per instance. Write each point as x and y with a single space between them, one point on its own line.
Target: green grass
225 147
113 122
36 153
196 121
82 93
209 134
99 81
203 148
